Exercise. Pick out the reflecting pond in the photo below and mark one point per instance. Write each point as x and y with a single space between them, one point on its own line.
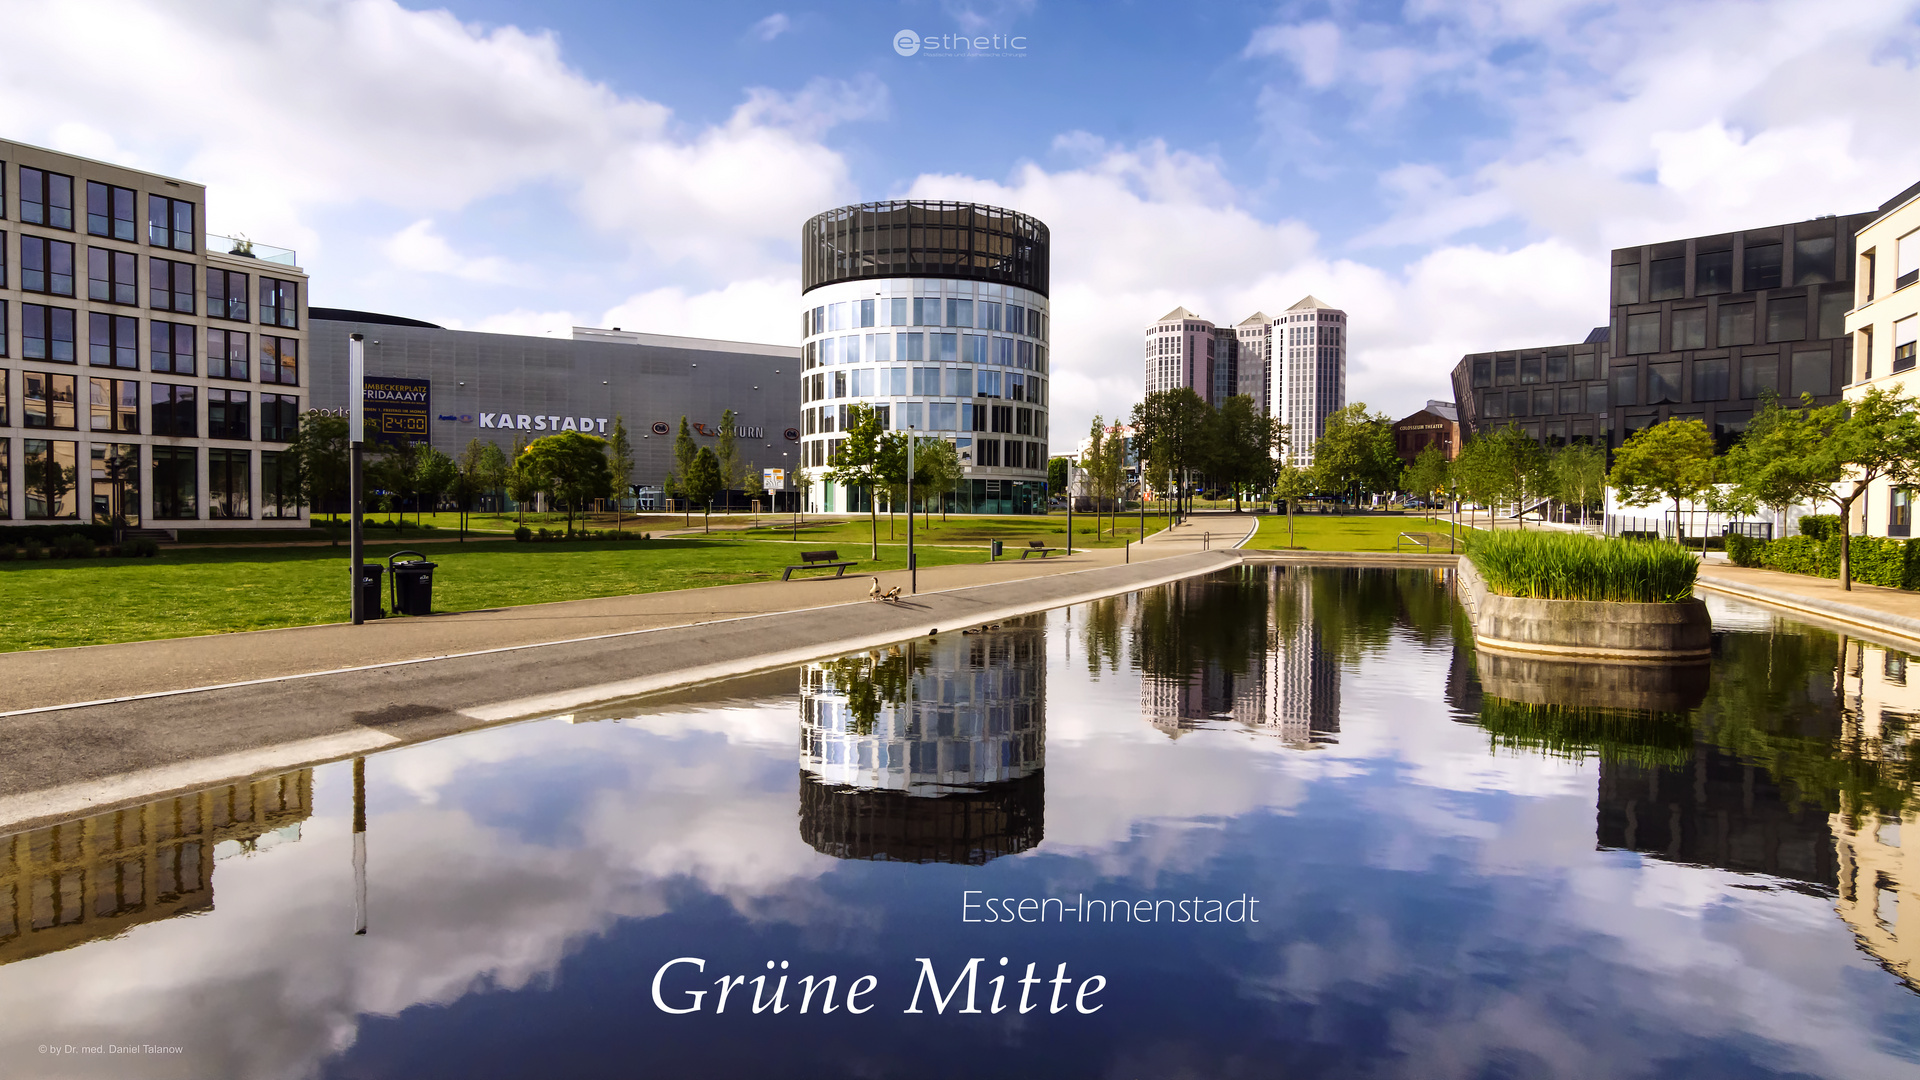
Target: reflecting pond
1278 821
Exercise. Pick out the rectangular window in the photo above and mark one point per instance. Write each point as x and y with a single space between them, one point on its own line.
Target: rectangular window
176 483
866 313
114 405
1907 260
3 331
1736 325
926 381
1517 403
6 478
279 302
1503 371
113 340
839 381
229 483
1003 351
926 311
959 382
836 315
1023 421
170 223
1689 329
1762 268
1900 512
46 333
1667 279
988 451
1626 284
1493 406
1643 333
46 266
1712 273
226 294
5 411
49 401
944 416
110 211
1556 366
172 410
1813 372
910 348
227 414
1586 365
116 483
1543 403
279 484
170 286
52 479
1834 306
1710 379
959 312
1529 369
1813 260
1759 373
46 198
1626 386
3 253
1596 398
110 276
1483 373
279 360
1016 319
896 311
949 348
1727 426
1569 400
170 348
987 384
1787 319
896 382
1906 334
989 315
226 353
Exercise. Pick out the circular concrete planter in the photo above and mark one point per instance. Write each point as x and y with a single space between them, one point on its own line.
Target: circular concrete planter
1586 629
1537 680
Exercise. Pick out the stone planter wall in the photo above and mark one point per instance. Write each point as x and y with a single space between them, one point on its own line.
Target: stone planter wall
1585 629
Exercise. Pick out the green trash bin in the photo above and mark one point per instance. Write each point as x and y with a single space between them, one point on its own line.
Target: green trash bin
996 549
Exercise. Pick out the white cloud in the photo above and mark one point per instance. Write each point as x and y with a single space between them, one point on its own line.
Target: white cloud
764 310
771 27
419 247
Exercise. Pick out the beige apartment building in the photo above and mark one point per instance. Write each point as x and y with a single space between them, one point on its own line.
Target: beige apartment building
148 370
1885 326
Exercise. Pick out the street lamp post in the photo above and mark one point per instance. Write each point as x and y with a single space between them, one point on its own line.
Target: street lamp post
913 566
356 434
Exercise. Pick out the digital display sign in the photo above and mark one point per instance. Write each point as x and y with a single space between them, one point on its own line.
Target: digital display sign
398 410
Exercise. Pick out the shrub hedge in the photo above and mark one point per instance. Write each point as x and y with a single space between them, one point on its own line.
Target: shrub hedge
1820 526
1877 560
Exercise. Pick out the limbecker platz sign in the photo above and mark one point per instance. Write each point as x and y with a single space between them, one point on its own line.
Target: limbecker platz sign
399 410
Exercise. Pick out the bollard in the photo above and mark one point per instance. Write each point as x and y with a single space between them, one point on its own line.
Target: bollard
1129 550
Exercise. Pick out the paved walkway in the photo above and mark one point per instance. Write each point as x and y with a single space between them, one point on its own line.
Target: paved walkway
1894 612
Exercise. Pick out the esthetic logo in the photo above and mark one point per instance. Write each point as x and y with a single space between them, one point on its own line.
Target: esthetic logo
906 43
914 43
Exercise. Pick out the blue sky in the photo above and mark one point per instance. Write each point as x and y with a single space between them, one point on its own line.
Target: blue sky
1452 174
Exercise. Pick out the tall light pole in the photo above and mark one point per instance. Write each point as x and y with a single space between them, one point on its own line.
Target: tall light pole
356 435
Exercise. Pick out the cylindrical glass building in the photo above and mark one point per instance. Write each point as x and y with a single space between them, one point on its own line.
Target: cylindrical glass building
934 314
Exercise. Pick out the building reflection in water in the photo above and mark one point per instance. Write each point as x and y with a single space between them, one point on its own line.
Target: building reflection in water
1879 875
1796 762
97 877
929 751
1239 646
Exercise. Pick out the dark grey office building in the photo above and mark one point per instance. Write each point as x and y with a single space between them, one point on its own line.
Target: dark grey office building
1701 329
505 386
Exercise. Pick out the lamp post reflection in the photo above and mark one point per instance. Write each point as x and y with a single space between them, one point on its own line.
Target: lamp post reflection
359 846
931 751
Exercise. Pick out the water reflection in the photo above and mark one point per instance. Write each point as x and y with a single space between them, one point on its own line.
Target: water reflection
928 751
1879 876
99 876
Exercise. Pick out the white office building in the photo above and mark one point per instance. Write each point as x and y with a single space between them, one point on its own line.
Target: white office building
934 314
1309 372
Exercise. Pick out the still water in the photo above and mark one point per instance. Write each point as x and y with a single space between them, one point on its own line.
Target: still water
1274 822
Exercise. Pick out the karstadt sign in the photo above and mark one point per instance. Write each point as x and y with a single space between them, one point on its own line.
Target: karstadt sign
596 425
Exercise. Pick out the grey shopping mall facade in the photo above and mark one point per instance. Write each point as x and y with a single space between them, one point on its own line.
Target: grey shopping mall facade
499 387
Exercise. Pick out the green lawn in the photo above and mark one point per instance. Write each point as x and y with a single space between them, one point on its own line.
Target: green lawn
59 603
972 529
1343 532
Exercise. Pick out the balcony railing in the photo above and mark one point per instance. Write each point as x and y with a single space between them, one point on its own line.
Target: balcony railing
248 249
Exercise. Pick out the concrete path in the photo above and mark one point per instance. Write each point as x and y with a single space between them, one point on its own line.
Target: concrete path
1893 612
290 710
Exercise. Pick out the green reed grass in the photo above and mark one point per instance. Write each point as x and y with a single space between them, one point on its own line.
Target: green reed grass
1569 566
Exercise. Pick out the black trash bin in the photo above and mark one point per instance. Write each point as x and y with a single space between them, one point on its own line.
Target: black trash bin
370 593
412 583
996 550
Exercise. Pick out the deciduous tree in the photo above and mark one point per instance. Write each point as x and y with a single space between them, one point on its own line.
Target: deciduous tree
570 467
857 462
319 450
1670 460
705 482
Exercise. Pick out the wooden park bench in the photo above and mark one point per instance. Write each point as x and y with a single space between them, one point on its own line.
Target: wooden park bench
1425 541
1038 547
817 560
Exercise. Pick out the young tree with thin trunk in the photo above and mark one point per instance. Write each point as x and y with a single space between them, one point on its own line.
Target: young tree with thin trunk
1859 441
857 462
727 452
1290 482
705 482
1579 475
570 467
1671 460
685 453
319 452
620 464
434 474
